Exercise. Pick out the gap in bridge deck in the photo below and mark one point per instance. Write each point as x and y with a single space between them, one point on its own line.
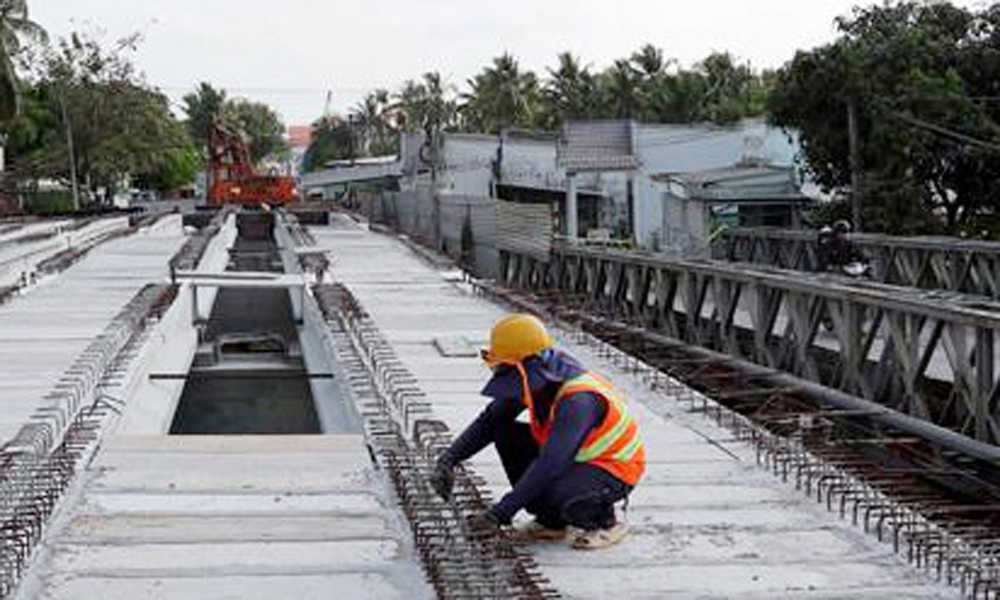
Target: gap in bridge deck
248 376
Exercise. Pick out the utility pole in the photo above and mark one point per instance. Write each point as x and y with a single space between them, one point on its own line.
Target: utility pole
855 160
72 153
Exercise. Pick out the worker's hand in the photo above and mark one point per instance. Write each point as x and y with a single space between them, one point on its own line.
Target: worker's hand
443 478
484 525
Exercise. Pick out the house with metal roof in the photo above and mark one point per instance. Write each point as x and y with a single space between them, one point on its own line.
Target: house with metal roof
698 204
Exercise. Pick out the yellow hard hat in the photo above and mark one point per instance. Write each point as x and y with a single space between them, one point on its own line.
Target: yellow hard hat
515 338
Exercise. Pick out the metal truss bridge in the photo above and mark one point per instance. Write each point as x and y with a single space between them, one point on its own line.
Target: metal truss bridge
927 354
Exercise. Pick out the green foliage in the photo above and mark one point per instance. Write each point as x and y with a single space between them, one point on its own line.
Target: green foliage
371 123
260 125
502 96
255 121
14 25
203 107
52 202
569 92
120 127
178 170
332 140
918 74
645 86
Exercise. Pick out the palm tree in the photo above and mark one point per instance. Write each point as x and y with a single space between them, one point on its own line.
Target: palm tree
14 24
649 60
570 92
621 90
427 107
728 87
502 96
369 118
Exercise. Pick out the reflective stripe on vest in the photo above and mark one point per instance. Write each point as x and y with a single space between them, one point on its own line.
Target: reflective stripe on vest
615 445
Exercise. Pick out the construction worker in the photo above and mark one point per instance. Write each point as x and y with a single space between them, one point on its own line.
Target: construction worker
579 453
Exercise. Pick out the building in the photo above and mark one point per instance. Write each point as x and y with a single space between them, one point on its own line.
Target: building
621 181
625 180
697 205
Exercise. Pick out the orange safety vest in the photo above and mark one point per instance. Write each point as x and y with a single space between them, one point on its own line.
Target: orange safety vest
615 445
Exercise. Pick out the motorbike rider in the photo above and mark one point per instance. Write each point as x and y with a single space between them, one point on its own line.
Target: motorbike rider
834 250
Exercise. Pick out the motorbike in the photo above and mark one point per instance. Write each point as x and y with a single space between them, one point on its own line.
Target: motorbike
857 269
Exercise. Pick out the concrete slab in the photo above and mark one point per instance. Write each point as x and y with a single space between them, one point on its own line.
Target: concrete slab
228 517
44 328
362 586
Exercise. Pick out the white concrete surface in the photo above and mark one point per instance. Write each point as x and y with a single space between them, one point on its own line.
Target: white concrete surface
705 523
19 259
265 517
46 326
213 517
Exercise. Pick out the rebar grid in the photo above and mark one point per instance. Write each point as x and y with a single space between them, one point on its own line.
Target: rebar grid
38 464
940 534
405 440
188 257
299 234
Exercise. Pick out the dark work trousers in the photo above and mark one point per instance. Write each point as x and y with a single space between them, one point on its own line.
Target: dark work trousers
583 497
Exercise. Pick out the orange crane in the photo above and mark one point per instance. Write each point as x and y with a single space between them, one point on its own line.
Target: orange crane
233 179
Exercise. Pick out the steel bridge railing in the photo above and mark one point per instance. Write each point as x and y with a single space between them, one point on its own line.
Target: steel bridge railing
967 266
931 355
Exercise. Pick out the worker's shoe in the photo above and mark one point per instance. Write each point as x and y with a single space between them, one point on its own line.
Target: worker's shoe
595 539
533 531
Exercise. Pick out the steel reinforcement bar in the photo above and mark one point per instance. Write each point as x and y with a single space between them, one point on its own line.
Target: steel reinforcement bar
945 538
968 266
405 440
806 443
38 464
930 355
188 257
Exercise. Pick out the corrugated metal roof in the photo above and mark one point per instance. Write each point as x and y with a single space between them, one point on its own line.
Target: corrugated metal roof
714 176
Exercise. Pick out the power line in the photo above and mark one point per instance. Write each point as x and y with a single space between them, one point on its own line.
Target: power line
967 139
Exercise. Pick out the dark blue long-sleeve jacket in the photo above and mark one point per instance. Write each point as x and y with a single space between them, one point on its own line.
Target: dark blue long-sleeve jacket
572 422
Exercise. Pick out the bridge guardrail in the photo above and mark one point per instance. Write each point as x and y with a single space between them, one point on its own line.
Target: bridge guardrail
928 354
929 262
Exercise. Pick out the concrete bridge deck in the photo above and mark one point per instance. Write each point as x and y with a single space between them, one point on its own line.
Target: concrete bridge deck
249 517
706 522
45 327
308 516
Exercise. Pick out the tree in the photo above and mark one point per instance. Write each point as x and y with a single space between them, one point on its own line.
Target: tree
370 119
621 90
428 108
260 125
14 25
120 127
203 107
914 74
331 140
727 97
570 92
178 170
502 96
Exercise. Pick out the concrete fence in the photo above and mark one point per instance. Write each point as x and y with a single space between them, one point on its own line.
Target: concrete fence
463 227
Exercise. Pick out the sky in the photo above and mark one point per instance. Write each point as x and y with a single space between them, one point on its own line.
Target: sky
293 54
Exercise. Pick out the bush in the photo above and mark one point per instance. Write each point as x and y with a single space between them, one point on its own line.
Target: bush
56 201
